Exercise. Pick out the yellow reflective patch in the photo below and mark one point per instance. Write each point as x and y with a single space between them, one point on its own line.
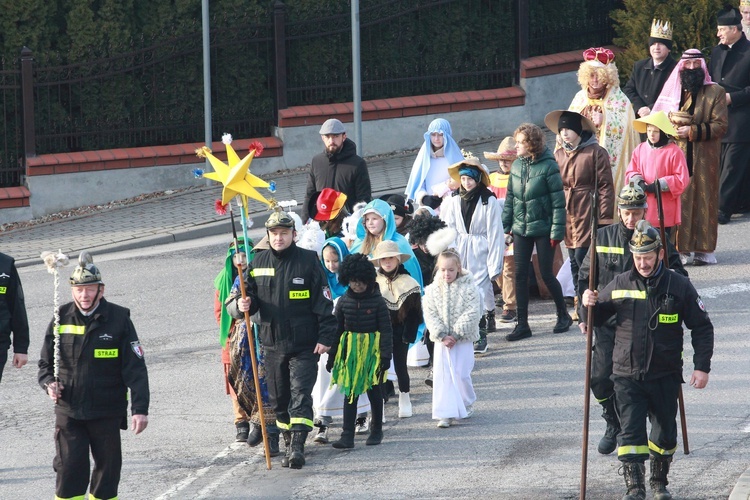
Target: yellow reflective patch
668 318
263 271
3 289
299 294
72 329
106 353
616 250
632 450
661 451
628 294
299 420
282 426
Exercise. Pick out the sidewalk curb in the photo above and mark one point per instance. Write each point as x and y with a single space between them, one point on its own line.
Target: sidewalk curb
741 490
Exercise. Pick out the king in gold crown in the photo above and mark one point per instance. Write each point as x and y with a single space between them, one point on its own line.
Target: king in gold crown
744 3
661 29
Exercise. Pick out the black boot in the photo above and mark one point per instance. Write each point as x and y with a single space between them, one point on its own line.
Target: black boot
243 429
376 406
608 442
658 480
376 435
344 442
287 448
635 479
521 331
297 453
273 444
491 326
564 322
255 436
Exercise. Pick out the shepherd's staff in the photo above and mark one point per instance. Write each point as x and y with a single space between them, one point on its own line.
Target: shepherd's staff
589 341
662 232
54 261
238 262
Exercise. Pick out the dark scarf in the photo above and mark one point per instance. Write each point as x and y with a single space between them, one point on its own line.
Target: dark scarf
469 201
663 141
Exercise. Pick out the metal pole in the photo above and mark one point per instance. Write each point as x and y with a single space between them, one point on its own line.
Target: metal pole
356 79
206 77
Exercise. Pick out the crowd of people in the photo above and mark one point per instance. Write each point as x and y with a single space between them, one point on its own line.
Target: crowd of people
343 300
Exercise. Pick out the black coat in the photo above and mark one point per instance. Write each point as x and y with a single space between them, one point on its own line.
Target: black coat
344 171
649 336
730 68
645 83
12 308
290 300
100 358
364 312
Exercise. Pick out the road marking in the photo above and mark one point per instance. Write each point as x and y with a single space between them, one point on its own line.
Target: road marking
193 477
747 428
716 291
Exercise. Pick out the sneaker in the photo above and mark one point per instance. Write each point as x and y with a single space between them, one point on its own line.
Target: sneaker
563 323
444 423
508 316
480 346
518 333
686 258
322 436
491 326
469 411
243 429
428 380
499 302
362 426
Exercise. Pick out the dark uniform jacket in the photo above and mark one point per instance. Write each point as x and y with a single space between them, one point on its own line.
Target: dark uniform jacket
290 300
646 82
100 358
12 308
650 313
730 68
343 171
613 256
535 203
364 312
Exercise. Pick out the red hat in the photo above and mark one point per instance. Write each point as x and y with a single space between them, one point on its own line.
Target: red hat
326 204
598 56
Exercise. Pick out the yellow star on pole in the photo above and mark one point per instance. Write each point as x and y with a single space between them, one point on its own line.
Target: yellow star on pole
235 176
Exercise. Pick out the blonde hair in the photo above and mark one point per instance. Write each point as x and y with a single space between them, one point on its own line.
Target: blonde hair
607 74
451 253
371 240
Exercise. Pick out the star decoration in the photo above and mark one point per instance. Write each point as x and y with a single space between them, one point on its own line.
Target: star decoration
234 175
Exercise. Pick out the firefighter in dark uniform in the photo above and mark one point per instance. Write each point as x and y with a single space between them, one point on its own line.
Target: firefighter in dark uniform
288 296
651 304
13 319
100 359
614 257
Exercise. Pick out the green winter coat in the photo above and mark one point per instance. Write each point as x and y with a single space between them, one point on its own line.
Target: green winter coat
535 203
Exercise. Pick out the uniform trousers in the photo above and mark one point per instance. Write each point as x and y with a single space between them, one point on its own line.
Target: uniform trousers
73 439
637 400
601 363
290 378
3 360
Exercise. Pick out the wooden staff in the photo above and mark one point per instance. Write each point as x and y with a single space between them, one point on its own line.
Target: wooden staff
238 261
662 232
589 342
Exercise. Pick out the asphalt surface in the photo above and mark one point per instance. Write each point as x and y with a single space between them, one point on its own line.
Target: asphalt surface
190 215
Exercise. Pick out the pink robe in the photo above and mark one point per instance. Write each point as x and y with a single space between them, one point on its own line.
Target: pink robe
666 163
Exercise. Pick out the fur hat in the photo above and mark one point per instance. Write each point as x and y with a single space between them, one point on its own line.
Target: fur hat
356 267
421 227
441 240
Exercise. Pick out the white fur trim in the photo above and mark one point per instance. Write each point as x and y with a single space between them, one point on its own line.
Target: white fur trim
440 240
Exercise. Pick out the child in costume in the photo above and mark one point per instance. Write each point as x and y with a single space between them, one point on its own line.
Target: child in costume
402 295
505 155
363 347
223 285
403 210
328 207
660 159
477 217
429 181
328 401
452 310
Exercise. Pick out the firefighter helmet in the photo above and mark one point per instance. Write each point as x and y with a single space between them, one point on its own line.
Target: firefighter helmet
86 273
631 197
279 219
645 238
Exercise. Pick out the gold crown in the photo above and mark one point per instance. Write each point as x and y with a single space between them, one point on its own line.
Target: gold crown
744 3
661 29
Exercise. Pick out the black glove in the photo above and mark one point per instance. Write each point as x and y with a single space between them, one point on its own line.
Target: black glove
651 188
432 201
385 364
329 363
